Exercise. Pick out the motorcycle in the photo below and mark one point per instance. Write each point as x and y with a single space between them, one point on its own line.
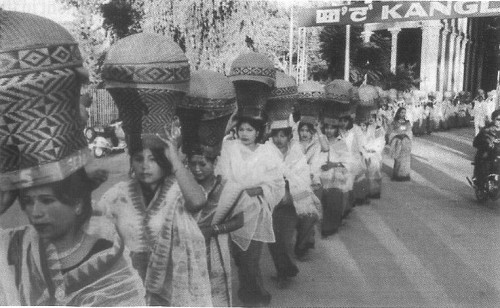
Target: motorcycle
487 188
106 140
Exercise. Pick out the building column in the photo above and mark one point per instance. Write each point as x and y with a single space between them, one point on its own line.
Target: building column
429 56
442 64
367 34
456 63
451 59
461 72
394 47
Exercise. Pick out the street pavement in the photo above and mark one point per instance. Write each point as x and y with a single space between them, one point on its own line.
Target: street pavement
425 243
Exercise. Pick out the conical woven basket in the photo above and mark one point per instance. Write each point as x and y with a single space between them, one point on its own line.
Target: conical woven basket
205 110
41 139
253 66
147 75
310 97
282 100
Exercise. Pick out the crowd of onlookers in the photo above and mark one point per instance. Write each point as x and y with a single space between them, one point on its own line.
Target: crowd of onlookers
435 111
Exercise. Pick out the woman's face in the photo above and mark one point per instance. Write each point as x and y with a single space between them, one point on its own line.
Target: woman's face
51 218
201 168
146 168
343 123
281 140
247 134
305 134
364 126
402 114
330 131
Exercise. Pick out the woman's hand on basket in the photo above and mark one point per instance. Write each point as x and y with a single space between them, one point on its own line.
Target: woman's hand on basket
171 139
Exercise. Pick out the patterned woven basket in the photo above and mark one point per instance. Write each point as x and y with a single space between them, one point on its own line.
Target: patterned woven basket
333 110
147 75
205 110
363 113
251 98
253 66
282 100
310 97
40 141
368 96
340 91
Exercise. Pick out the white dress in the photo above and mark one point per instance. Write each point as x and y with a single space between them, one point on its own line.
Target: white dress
243 169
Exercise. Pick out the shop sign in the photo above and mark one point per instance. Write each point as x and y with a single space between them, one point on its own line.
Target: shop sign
393 11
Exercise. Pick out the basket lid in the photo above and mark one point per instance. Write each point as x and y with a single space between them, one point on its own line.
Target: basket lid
285 88
146 60
253 66
311 90
368 95
31 43
339 90
212 92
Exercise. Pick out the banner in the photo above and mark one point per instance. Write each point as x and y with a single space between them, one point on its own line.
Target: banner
393 11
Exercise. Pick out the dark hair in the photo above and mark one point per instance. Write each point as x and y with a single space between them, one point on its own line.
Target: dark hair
198 150
308 125
287 131
257 124
159 155
495 114
398 113
349 120
76 188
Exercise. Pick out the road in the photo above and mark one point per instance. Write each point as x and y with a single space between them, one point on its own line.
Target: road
424 243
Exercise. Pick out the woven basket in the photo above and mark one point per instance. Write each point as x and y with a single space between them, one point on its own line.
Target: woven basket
310 97
253 66
146 60
340 91
251 98
363 113
333 110
211 92
282 100
147 75
368 96
40 140
205 110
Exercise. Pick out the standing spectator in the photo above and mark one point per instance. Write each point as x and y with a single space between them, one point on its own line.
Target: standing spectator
400 140
480 111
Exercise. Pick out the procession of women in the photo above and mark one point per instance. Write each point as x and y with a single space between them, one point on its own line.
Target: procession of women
220 169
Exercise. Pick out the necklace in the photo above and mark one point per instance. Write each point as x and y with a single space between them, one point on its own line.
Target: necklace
72 250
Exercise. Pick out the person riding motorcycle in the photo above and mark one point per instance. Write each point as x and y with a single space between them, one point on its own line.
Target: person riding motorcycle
487 145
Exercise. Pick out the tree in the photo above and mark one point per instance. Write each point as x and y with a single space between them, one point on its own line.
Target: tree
370 60
213 33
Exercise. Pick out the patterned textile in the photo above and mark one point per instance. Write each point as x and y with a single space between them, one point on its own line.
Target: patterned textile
38 128
170 233
32 275
218 255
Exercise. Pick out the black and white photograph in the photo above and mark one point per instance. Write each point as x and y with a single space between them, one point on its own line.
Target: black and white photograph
249 153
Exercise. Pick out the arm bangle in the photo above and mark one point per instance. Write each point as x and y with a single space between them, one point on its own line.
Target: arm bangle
216 229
